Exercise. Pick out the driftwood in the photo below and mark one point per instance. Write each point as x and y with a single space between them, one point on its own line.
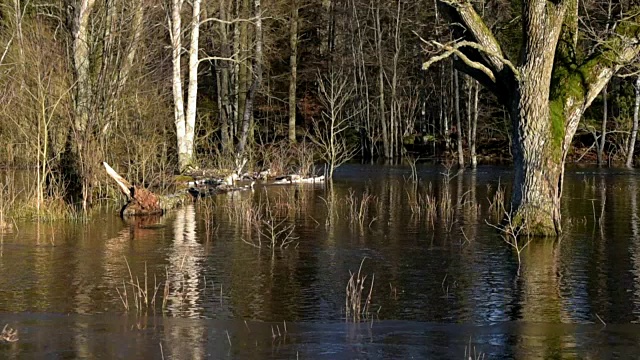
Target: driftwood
141 201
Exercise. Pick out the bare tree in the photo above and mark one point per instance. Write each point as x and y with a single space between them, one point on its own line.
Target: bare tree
328 132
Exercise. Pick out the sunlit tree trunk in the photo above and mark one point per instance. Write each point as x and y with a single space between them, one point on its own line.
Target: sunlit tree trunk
187 158
76 167
178 101
634 130
185 123
293 65
19 15
82 63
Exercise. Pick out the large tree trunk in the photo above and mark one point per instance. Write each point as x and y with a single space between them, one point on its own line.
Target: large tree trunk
547 92
75 164
535 201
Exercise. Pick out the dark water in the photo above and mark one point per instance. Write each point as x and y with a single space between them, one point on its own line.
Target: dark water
441 286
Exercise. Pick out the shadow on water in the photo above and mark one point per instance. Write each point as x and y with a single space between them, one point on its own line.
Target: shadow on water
190 285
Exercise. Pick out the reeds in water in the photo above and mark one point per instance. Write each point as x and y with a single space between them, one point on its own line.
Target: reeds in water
358 208
136 294
423 206
355 308
496 204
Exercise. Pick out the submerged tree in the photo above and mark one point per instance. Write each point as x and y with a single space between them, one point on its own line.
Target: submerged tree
556 77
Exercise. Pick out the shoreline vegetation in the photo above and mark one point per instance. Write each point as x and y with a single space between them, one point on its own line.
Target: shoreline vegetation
163 89
173 190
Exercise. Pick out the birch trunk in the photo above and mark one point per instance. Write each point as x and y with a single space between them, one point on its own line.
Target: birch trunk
81 63
186 159
76 168
634 130
178 101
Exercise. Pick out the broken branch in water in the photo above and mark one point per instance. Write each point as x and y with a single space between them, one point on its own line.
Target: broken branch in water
8 334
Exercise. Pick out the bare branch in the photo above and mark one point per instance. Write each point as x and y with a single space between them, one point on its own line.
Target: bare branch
210 58
478 31
229 22
6 49
454 50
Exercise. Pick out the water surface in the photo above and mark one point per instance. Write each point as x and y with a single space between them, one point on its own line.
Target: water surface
442 285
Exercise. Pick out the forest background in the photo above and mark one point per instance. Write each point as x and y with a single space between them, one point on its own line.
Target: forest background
162 87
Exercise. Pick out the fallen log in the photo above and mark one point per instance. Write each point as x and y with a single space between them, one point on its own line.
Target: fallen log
141 201
299 179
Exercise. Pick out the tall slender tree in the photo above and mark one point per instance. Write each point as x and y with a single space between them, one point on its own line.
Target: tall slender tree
257 81
185 123
293 65
76 164
634 128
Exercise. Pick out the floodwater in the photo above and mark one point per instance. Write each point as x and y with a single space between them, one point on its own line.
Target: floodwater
194 284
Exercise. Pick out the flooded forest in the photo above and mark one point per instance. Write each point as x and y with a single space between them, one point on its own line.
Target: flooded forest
330 179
